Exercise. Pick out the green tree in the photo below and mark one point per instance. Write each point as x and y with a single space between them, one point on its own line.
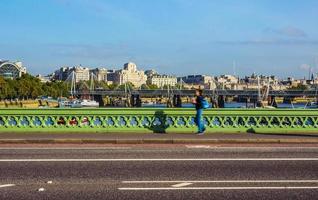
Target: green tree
129 86
145 87
152 87
113 86
299 87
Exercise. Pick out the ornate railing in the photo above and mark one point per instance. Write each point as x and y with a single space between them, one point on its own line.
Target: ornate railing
156 120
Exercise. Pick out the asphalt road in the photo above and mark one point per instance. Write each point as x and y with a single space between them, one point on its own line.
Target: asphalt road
158 172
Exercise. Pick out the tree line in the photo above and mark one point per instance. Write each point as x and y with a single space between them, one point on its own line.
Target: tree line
30 87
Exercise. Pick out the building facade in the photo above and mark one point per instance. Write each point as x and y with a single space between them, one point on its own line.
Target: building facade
68 73
162 80
129 74
100 74
12 70
81 74
228 82
197 79
44 79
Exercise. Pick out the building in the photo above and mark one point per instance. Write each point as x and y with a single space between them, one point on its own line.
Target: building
151 73
257 81
197 79
228 82
129 74
100 74
44 79
61 74
162 80
81 73
68 73
11 70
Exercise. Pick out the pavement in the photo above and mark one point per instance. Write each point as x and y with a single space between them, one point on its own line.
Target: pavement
159 171
149 138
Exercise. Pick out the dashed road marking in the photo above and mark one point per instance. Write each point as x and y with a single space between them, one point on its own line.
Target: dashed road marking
199 147
7 185
182 184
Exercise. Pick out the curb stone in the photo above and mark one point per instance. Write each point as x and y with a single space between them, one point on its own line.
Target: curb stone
154 141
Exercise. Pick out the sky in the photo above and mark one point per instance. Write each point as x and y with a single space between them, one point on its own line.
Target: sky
177 37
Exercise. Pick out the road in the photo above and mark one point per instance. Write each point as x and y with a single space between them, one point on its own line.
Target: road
158 172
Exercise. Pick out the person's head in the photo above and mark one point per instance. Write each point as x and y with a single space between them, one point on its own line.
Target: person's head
198 92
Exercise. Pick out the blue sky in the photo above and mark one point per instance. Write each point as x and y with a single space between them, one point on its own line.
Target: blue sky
172 36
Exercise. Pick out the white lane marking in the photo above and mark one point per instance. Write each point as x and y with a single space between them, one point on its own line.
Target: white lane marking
181 184
157 159
228 181
7 185
200 147
221 188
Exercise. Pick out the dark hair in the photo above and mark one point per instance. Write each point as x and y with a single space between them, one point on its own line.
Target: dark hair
200 91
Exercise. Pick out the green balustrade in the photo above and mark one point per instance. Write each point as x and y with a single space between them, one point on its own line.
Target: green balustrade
157 120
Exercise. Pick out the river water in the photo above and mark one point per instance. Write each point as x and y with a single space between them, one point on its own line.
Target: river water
232 105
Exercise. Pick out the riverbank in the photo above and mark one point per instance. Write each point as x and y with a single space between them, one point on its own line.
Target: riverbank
27 104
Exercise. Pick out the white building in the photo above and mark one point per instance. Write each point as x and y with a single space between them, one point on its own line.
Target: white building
66 73
12 70
44 79
81 73
162 80
227 79
129 74
100 74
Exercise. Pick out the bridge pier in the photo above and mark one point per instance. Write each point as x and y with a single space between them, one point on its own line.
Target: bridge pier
272 101
135 101
221 101
99 99
177 102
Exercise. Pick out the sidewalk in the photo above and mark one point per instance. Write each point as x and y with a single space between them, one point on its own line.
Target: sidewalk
139 138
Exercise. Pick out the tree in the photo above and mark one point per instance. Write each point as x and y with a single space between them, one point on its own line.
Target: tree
128 85
152 87
299 87
144 87
3 88
113 86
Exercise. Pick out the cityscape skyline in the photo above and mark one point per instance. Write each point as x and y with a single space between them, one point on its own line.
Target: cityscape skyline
308 70
199 37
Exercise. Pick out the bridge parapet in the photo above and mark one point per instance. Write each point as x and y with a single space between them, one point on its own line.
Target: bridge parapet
157 120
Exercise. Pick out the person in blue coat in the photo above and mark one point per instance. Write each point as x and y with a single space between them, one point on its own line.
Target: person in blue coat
198 102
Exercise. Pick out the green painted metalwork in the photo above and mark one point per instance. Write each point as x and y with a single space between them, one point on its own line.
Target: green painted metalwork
157 120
